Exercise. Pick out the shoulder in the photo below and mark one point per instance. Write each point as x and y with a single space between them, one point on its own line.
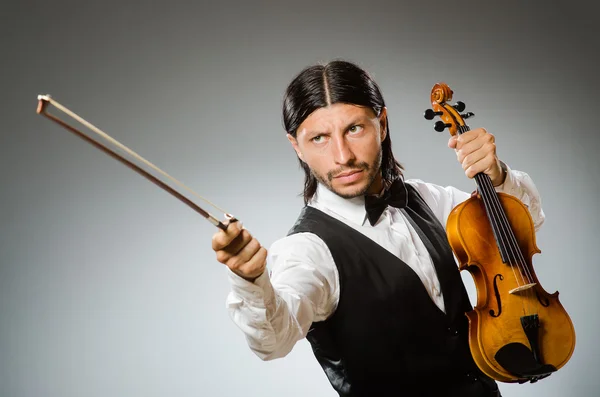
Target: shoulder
436 195
302 261
441 199
303 248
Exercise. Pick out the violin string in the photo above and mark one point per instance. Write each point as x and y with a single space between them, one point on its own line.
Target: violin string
127 150
521 264
501 240
512 237
507 232
504 232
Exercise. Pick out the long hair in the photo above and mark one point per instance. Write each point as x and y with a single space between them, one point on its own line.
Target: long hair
338 81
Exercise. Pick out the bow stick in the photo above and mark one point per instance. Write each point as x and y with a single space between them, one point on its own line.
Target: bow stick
45 100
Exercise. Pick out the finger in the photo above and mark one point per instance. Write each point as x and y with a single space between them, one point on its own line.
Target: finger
472 160
484 143
469 150
238 243
479 131
452 142
475 152
232 249
469 136
256 265
222 238
244 255
484 165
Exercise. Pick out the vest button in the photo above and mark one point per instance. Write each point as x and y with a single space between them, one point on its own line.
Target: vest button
452 331
472 377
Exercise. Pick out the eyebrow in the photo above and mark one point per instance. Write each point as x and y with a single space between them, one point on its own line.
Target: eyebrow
356 120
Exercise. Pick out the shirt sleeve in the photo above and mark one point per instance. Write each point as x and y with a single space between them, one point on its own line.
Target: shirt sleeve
442 199
278 308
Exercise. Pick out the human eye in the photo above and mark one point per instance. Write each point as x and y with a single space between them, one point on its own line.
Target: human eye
317 139
355 129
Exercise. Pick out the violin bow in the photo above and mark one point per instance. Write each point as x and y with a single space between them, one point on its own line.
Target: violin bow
42 109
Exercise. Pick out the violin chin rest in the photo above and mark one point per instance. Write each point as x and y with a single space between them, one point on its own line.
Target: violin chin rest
517 359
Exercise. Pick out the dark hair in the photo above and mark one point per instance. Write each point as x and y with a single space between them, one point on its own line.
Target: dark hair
338 81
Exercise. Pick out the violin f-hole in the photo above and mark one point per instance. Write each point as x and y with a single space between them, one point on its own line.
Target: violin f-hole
498 300
544 302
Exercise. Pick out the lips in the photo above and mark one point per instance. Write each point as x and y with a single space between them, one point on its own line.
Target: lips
348 173
349 177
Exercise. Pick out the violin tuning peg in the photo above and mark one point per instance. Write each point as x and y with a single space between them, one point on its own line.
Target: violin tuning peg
430 114
460 106
440 126
467 115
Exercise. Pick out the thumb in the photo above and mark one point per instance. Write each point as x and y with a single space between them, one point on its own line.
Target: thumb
452 142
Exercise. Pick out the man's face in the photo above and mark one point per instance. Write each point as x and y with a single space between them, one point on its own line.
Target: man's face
341 144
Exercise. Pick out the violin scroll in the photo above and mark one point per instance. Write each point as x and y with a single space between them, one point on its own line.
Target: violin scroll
451 116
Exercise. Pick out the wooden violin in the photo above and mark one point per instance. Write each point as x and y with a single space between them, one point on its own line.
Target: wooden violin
518 332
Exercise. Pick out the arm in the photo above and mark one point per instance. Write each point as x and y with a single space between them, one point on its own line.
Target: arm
476 152
276 310
442 199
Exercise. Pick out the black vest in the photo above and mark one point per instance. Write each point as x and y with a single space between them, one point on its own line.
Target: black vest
387 337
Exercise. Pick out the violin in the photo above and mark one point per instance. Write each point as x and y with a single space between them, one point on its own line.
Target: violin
518 332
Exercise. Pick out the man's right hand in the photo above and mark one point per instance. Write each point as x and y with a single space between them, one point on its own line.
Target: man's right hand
239 251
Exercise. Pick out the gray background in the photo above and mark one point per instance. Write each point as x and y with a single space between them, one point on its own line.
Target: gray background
108 285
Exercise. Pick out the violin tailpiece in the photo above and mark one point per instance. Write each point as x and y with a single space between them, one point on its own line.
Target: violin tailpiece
521 361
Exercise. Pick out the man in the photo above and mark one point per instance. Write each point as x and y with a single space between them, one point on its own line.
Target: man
373 285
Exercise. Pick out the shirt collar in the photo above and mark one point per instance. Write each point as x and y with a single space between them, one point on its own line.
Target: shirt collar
352 209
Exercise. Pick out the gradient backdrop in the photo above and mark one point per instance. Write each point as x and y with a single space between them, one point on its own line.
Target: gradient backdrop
108 285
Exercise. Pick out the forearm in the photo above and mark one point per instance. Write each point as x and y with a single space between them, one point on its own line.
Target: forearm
277 310
272 321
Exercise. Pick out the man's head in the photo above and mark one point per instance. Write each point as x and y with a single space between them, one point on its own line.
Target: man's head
336 120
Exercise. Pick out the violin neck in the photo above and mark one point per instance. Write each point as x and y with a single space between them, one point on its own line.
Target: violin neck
495 211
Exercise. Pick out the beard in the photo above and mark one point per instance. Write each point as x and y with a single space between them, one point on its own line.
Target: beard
372 170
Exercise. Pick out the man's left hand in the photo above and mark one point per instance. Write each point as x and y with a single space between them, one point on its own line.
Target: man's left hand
476 152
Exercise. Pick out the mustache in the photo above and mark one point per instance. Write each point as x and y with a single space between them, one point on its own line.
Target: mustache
351 167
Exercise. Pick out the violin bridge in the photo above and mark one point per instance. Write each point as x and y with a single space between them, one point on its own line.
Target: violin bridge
522 288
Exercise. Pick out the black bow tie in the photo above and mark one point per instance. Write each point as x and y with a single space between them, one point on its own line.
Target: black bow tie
394 196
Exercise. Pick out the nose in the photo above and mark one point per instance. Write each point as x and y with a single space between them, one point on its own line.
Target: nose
341 151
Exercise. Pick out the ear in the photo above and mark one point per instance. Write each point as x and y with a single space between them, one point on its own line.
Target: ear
383 123
294 143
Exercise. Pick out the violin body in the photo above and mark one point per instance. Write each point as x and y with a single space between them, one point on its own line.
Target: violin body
518 332
495 321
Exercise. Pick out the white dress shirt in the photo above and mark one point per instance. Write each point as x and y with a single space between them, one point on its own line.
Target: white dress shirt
277 309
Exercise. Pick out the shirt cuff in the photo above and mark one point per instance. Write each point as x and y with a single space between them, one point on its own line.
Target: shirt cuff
257 292
509 185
